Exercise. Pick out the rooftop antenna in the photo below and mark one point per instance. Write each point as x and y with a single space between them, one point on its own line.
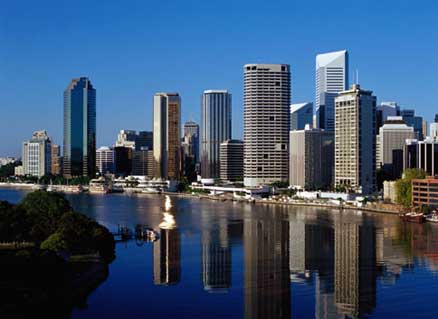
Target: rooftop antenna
357 76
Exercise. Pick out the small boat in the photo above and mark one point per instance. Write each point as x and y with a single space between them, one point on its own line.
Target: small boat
433 218
413 217
145 233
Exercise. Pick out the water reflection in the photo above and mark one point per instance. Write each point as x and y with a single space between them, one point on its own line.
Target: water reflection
167 251
266 261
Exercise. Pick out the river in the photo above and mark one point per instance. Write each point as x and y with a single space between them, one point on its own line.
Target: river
239 260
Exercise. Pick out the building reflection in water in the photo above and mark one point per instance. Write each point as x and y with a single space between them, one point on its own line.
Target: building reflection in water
266 266
216 257
167 250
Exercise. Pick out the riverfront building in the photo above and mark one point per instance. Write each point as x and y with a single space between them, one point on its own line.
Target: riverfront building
331 78
105 160
56 159
311 158
425 192
215 129
143 163
266 123
37 155
231 160
167 135
300 115
422 155
390 143
355 140
79 151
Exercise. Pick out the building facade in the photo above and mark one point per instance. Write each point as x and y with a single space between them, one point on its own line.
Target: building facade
355 140
231 160
37 155
384 110
143 163
425 192
414 121
215 129
266 123
167 136
300 115
123 160
331 78
392 138
422 155
79 151
56 159
105 160
311 158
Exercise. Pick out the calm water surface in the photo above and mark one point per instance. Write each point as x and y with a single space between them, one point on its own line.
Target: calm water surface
234 260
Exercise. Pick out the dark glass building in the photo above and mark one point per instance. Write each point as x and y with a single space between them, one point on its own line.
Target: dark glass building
215 129
79 150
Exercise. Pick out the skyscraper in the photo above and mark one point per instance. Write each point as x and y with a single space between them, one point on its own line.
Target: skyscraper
355 140
167 135
37 155
190 150
266 123
105 160
392 137
331 78
215 129
79 151
311 158
300 115
56 159
414 121
384 110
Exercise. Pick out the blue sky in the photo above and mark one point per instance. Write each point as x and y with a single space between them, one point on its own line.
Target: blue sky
131 49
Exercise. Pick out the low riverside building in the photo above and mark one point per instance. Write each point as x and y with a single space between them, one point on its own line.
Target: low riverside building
231 160
389 193
425 192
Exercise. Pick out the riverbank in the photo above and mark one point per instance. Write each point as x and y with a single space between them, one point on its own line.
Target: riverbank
374 208
382 208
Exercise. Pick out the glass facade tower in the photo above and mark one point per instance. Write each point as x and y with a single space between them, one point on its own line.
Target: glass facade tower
215 129
79 129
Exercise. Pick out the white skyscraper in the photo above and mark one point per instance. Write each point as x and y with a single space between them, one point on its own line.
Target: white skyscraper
331 78
355 140
266 123
37 155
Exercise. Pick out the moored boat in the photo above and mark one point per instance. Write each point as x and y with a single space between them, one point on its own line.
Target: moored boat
413 217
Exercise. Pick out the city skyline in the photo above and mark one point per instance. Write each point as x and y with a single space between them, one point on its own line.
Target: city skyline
213 65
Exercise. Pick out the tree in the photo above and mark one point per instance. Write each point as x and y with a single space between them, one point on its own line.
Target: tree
403 186
43 211
54 242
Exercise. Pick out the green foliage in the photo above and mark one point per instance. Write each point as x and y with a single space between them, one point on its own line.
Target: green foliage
43 210
47 219
183 186
54 242
403 186
8 169
279 184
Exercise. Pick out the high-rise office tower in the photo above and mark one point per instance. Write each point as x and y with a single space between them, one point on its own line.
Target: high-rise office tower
143 163
231 157
191 137
37 155
300 115
434 128
422 155
414 121
190 150
123 160
331 78
167 135
56 159
144 140
215 129
126 138
383 111
392 137
79 151
105 160
311 158
266 123
355 140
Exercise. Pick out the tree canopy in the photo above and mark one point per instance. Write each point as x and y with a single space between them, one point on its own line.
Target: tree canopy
403 186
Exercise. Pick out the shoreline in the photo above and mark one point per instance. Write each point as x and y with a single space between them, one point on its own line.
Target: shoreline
221 199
